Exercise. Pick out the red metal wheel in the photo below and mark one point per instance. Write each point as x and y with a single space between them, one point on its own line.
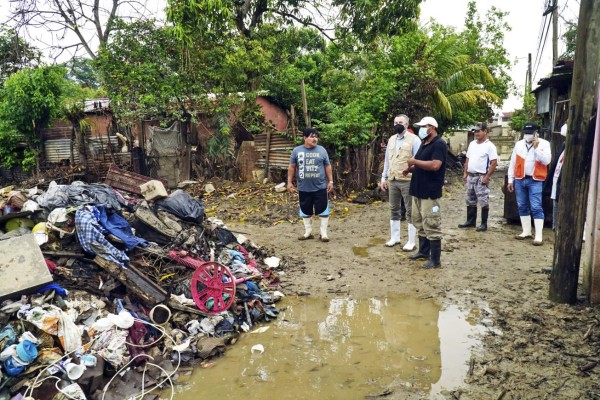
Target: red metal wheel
213 288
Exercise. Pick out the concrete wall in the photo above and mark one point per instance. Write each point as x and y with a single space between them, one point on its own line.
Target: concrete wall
503 137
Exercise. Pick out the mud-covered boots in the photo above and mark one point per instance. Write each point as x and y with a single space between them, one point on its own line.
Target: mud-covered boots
485 211
436 252
424 249
471 217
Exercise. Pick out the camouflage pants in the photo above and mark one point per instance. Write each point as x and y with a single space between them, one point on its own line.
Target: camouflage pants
477 192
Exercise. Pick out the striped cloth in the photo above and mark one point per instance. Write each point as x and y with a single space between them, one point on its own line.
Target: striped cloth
91 236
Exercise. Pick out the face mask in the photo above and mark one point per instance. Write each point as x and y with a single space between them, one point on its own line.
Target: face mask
528 137
399 128
423 133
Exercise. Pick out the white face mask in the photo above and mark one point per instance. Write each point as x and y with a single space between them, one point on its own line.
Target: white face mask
423 133
528 137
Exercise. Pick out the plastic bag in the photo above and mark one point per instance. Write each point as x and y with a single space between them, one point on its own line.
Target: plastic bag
184 206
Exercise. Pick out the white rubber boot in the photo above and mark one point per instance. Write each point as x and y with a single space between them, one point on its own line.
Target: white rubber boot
324 224
539 228
395 233
412 237
307 229
526 224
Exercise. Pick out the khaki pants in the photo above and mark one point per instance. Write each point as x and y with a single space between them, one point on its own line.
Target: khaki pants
398 190
427 218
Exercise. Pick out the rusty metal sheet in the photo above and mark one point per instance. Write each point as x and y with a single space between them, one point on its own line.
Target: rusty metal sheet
22 266
126 180
280 150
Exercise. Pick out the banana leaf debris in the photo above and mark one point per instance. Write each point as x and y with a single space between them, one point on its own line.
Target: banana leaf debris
113 293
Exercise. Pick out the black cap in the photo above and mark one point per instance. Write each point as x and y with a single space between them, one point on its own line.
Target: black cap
481 126
530 127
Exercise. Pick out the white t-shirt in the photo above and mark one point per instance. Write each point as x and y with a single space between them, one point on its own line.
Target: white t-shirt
480 155
559 165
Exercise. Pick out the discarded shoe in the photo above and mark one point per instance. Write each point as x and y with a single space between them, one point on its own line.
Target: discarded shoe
306 237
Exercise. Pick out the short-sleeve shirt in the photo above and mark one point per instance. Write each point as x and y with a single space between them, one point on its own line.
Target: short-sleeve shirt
480 156
310 167
428 184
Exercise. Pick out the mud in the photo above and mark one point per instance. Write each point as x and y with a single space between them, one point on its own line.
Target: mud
540 349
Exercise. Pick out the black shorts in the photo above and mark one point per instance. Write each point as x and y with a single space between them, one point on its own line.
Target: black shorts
314 203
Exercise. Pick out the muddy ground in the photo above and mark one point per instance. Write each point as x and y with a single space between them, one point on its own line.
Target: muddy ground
541 350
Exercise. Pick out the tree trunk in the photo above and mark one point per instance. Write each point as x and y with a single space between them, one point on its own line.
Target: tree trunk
576 169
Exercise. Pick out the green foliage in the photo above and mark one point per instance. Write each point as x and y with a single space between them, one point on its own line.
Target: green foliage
81 71
15 54
369 19
142 72
525 114
570 40
29 99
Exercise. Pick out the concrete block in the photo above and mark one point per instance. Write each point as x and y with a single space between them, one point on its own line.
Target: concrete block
153 190
22 266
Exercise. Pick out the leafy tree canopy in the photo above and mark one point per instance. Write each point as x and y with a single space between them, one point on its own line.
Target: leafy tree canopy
29 99
15 54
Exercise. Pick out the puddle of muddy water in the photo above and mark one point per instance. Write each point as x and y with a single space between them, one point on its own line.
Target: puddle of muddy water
346 349
363 250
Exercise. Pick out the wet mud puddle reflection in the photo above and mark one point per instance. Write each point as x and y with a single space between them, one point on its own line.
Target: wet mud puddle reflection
363 251
346 349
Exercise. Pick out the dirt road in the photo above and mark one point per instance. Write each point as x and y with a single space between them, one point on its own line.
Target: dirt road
541 350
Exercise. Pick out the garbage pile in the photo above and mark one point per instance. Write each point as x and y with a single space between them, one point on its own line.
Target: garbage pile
113 294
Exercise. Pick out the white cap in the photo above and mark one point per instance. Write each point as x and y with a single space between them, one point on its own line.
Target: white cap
427 121
563 130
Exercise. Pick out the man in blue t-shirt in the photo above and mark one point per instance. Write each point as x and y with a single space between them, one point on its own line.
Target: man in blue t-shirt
310 165
428 168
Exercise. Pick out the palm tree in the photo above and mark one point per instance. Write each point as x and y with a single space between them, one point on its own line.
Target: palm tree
461 84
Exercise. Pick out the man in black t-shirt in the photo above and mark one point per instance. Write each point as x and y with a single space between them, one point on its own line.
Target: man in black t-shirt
428 169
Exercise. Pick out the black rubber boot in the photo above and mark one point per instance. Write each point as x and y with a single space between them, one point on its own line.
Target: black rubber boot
471 217
484 217
436 252
424 249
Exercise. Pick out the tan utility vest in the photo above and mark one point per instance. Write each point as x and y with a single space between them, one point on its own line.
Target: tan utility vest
398 159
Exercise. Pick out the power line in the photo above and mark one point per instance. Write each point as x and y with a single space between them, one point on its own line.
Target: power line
542 40
541 52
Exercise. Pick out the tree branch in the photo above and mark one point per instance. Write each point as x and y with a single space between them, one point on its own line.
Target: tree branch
304 22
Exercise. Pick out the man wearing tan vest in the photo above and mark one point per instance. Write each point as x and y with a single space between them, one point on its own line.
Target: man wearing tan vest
401 146
526 175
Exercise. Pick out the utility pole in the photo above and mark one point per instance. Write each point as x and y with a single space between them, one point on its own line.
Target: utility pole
555 34
575 175
305 105
528 77
552 7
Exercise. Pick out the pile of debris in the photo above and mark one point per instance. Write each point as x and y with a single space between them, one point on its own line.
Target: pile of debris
116 294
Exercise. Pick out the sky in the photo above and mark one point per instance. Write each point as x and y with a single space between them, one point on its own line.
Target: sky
524 17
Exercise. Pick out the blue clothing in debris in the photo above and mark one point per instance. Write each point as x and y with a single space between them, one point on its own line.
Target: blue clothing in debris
54 286
91 236
118 226
236 255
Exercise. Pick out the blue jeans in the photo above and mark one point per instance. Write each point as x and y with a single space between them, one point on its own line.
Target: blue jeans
529 197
